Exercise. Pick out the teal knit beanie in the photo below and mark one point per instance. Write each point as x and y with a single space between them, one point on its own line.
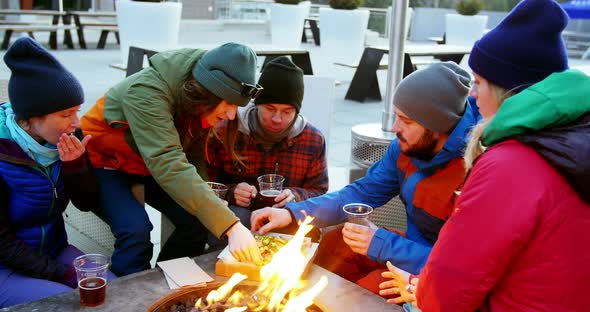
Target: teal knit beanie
223 70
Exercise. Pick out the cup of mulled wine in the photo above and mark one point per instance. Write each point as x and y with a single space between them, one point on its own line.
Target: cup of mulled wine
270 186
91 270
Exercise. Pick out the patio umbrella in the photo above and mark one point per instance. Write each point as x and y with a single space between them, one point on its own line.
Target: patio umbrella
577 9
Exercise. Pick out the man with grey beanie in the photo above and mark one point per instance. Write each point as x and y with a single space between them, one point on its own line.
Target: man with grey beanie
424 166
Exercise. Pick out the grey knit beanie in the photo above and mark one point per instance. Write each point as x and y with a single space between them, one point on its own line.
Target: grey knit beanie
223 69
435 96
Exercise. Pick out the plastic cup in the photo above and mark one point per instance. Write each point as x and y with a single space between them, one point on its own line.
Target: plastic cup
219 189
270 186
91 270
357 213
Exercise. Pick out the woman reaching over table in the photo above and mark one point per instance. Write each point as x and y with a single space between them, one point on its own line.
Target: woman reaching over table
516 239
153 128
42 166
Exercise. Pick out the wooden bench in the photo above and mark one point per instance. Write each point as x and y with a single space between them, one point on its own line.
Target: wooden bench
91 20
11 27
30 29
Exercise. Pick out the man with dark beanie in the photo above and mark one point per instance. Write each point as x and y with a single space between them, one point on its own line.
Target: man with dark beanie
273 138
424 166
42 166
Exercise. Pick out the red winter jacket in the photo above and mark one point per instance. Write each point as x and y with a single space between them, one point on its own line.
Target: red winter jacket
518 240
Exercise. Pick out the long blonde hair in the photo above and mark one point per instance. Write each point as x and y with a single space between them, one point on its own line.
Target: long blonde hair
475 147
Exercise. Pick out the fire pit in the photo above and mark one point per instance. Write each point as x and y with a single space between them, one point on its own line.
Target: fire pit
185 299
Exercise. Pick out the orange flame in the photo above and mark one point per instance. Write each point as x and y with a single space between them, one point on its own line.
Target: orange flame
277 282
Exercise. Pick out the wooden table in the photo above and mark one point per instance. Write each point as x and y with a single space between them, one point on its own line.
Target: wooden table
137 292
299 56
104 27
32 27
364 83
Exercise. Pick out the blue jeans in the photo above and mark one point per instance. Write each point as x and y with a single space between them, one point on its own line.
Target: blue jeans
131 226
16 288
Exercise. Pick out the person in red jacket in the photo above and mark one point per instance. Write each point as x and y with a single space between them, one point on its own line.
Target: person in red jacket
514 242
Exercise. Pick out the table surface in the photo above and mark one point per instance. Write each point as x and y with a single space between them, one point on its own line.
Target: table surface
137 292
429 49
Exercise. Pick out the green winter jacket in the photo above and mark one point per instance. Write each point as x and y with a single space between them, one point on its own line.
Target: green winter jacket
146 102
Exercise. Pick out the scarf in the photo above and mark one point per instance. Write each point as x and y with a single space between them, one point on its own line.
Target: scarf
44 155
267 139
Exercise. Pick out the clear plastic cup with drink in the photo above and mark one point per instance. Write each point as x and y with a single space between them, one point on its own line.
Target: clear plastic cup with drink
270 186
92 270
357 213
219 189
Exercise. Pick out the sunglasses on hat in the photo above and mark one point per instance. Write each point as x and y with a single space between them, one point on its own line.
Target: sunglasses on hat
246 89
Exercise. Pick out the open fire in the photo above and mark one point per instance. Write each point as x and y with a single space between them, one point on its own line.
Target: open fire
280 289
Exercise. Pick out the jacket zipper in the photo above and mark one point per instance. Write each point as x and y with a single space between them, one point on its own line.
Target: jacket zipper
47 173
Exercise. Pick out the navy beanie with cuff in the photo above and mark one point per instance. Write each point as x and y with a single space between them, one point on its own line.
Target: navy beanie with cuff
222 70
524 48
39 84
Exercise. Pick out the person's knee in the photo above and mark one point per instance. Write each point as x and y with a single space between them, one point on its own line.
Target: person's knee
134 230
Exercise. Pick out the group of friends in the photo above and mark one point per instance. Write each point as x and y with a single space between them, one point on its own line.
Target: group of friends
492 168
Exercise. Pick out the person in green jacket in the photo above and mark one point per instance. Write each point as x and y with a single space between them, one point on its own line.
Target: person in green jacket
151 129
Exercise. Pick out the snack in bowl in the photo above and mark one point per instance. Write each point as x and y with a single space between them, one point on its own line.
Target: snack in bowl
269 245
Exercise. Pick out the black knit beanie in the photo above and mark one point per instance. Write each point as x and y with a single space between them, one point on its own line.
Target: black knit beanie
282 82
39 84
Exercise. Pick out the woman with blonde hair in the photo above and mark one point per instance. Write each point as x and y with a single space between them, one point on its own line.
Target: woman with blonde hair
513 242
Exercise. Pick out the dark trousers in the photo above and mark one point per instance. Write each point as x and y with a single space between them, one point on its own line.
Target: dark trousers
336 256
131 226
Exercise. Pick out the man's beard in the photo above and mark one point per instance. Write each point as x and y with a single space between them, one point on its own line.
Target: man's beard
424 148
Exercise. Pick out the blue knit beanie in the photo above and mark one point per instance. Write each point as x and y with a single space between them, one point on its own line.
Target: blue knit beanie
524 48
223 69
39 84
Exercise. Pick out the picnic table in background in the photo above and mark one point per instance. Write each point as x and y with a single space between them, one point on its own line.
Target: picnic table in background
299 56
11 27
364 83
93 20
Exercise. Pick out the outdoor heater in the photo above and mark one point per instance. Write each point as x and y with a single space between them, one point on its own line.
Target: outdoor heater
370 141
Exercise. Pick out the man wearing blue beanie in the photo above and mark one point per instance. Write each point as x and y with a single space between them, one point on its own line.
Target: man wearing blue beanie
513 242
151 129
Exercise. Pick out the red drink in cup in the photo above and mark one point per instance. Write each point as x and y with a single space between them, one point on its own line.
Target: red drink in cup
93 291
267 197
92 270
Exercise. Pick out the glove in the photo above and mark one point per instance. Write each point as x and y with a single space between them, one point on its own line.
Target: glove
70 279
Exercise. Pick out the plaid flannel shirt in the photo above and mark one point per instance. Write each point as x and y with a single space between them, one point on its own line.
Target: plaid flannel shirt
301 160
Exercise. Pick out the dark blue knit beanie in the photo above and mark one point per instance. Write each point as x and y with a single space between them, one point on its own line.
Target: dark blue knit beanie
39 84
524 48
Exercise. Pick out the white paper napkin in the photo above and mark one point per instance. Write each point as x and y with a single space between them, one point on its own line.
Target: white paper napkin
182 272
